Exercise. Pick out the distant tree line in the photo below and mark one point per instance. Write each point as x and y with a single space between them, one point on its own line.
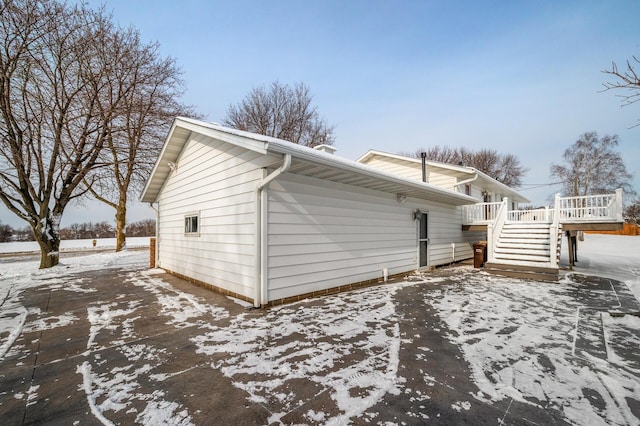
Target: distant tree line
81 231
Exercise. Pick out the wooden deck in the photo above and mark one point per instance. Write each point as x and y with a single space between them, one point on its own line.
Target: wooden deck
529 240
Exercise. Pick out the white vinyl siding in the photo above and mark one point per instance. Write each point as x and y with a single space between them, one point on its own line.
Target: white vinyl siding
448 242
398 167
445 178
438 176
323 235
476 192
219 181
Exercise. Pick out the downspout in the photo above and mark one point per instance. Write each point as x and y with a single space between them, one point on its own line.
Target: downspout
464 182
157 257
260 283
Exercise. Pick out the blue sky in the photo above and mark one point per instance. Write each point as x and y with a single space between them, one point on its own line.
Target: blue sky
523 77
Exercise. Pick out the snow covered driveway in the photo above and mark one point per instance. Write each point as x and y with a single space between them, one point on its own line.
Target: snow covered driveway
102 340
570 348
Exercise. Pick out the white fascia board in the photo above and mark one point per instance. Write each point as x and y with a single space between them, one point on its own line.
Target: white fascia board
250 141
161 166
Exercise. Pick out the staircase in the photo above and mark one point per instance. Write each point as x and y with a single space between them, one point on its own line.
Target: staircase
526 250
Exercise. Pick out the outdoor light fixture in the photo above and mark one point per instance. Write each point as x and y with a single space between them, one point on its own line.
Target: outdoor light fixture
172 166
401 198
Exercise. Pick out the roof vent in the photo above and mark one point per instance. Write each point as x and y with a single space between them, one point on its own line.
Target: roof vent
326 148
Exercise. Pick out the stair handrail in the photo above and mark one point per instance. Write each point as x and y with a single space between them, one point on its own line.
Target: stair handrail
553 233
495 228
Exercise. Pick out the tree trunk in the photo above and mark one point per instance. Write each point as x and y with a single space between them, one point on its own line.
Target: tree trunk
49 251
121 223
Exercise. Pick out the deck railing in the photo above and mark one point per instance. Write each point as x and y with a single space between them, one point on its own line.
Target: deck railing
481 213
544 215
582 209
591 208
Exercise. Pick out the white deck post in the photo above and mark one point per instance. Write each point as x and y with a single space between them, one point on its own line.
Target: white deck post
490 242
553 233
619 205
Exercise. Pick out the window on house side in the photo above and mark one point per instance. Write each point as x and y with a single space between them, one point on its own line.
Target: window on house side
192 224
467 189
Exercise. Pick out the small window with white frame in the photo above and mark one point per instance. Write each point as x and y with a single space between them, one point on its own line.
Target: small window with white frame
467 189
192 224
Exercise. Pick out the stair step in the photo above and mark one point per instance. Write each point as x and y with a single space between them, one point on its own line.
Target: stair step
522 245
525 233
523 257
522 225
525 268
506 253
515 241
524 237
526 247
525 230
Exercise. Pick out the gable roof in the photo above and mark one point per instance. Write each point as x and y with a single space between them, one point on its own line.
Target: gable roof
489 183
304 161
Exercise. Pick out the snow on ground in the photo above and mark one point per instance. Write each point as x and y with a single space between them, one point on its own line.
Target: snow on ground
310 342
70 245
614 256
16 277
116 389
521 340
519 337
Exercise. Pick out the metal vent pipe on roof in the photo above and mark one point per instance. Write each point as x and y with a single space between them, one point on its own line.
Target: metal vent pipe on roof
424 166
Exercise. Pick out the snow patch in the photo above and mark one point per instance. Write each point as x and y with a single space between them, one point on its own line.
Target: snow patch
518 339
311 342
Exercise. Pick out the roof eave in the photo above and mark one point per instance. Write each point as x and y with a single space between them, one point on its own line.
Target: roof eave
462 169
161 169
437 194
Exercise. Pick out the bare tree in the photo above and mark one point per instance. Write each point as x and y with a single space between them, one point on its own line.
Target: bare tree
60 68
592 166
143 228
626 79
505 168
6 232
441 154
632 213
136 132
283 112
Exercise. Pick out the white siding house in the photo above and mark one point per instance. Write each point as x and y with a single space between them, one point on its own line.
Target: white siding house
267 220
447 241
464 179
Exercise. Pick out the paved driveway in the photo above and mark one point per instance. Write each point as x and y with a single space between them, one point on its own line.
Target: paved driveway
123 345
